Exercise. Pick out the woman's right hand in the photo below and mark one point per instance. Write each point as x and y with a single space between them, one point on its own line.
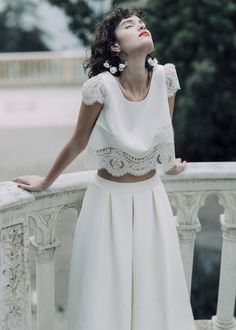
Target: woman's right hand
31 182
179 167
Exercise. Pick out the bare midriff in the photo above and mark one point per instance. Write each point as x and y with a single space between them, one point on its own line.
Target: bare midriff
125 178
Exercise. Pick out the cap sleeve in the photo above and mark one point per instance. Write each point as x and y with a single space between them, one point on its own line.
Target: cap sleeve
172 82
93 90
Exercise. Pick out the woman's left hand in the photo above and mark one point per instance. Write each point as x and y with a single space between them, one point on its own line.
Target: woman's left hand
179 167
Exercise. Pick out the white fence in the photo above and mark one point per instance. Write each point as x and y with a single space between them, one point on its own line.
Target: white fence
20 209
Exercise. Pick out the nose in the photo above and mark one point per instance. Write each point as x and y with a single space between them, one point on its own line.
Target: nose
142 25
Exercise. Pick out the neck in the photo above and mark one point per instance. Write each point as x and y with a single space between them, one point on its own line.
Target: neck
135 76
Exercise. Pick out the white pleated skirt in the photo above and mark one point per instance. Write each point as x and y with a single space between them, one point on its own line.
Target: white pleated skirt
126 271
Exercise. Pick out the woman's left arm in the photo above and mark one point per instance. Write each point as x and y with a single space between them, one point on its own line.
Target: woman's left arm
171 101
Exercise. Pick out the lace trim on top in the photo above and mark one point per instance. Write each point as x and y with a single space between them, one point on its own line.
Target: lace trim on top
172 81
93 90
118 162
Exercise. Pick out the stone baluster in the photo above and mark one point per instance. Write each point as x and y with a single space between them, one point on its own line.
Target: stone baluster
45 243
224 318
187 225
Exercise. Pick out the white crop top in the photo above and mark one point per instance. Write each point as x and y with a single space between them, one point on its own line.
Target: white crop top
131 137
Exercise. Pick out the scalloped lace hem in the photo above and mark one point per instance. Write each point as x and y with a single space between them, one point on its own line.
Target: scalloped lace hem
118 162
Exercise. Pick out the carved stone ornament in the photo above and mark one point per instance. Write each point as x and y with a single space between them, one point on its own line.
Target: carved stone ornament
16 286
187 205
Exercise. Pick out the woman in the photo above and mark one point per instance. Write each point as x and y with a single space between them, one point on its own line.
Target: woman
126 269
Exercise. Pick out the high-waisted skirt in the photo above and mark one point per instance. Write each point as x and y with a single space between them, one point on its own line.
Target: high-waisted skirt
126 270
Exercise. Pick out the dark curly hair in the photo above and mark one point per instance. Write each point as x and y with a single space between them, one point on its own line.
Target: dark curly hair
105 37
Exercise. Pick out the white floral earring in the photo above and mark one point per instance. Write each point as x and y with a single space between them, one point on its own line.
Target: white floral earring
152 61
118 64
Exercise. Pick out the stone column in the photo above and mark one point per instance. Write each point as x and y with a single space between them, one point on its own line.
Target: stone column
45 243
224 318
187 225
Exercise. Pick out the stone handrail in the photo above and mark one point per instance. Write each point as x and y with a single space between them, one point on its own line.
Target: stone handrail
20 209
41 68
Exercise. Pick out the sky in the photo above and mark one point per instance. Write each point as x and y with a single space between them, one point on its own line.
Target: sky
53 21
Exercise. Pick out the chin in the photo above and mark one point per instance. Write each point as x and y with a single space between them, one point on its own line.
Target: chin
150 48
146 47
149 44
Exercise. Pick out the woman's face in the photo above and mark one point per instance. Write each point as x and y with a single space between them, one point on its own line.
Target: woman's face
130 37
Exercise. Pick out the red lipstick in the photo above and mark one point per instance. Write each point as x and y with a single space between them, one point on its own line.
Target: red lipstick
144 32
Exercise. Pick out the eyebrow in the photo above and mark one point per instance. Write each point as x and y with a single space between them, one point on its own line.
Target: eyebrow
129 20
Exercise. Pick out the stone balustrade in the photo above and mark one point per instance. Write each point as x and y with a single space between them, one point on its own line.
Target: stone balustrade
21 210
41 68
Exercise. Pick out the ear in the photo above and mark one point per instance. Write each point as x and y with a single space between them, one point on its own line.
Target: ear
115 47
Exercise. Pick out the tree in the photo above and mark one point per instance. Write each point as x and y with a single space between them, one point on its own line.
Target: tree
83 16
199 37
16 35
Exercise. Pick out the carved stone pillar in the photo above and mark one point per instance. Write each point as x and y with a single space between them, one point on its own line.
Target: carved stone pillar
187 225
45 243
224 318
15 290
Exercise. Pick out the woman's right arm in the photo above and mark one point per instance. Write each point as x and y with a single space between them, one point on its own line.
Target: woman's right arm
88 115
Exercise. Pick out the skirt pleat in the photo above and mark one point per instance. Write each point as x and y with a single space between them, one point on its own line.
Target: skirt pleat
126 271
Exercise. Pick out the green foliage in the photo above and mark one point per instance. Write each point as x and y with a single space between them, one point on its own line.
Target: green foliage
15 36
199 37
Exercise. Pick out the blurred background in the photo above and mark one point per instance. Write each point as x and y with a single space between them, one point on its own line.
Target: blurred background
43 44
